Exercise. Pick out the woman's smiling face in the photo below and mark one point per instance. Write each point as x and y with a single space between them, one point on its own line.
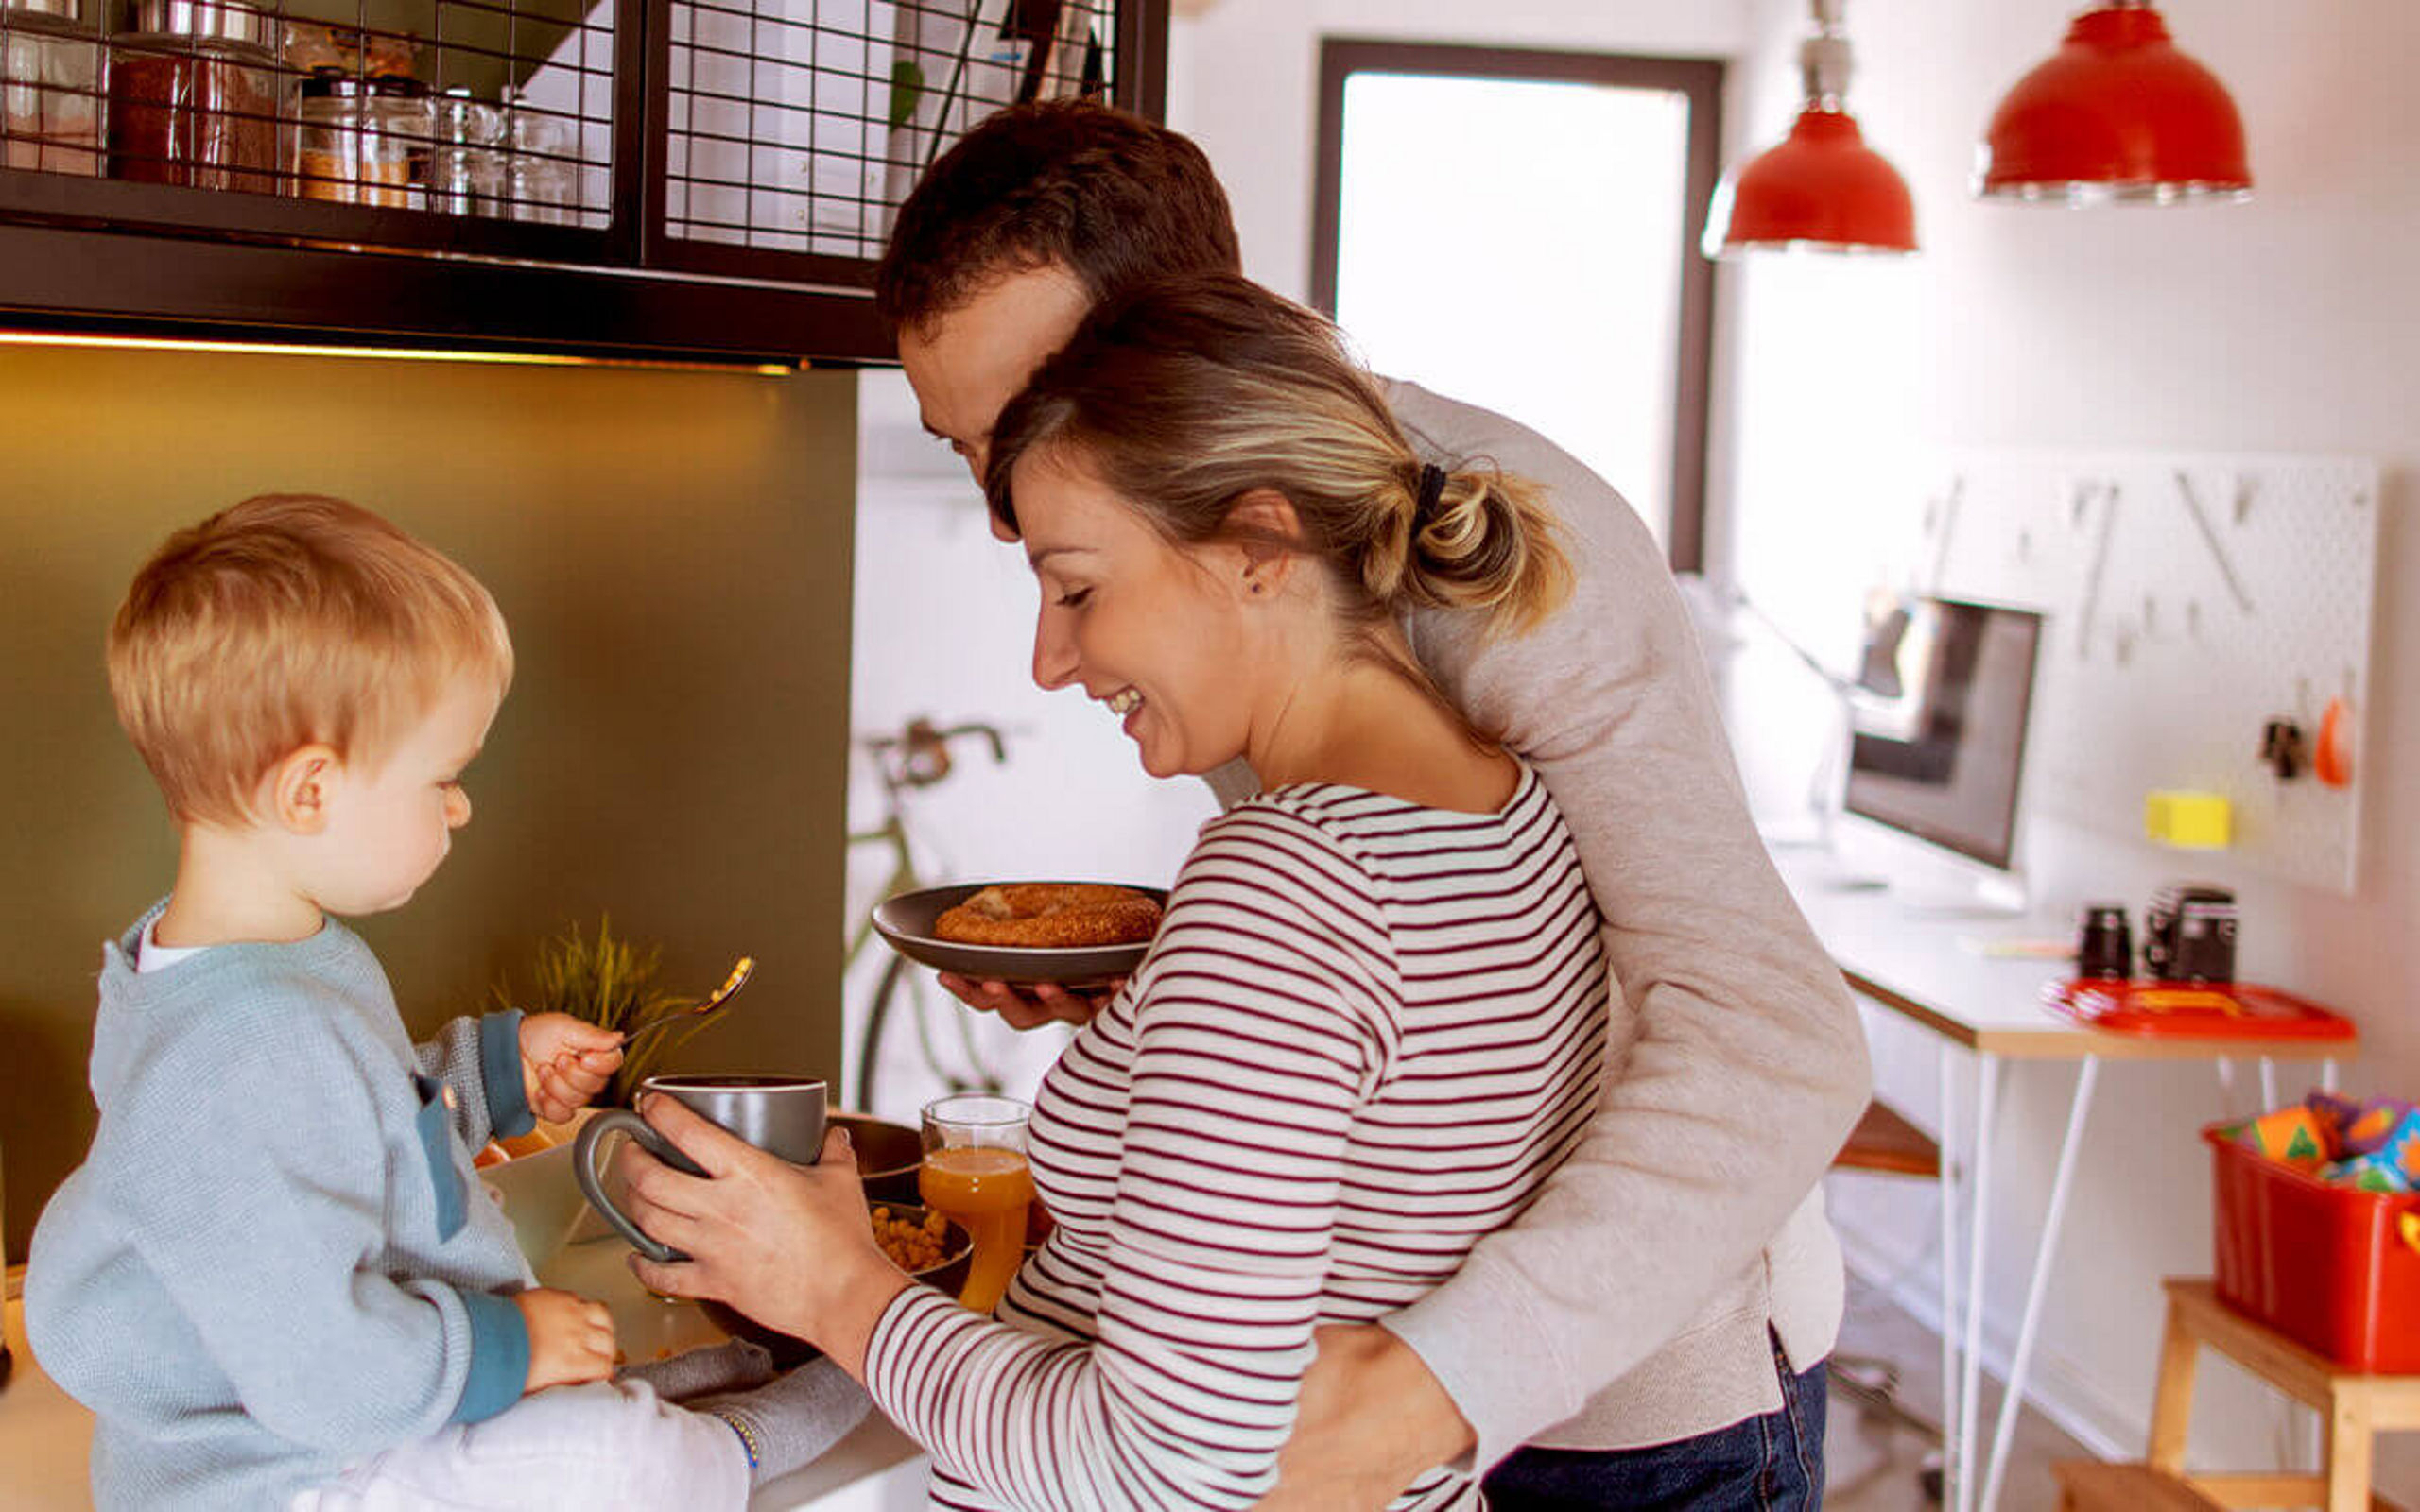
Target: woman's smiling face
1155 631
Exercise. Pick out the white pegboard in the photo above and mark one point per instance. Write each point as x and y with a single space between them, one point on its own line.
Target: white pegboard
2190 600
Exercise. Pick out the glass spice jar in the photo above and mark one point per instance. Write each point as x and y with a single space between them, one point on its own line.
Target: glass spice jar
359 139
404 116
539 182
193 96
50 88
466 170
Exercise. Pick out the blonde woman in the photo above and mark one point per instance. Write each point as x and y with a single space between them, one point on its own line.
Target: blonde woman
1375 1016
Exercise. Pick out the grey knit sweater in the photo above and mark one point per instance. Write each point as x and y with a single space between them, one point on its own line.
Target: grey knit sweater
275 1259
1637 1301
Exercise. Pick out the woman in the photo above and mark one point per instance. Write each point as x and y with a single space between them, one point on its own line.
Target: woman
1375 1015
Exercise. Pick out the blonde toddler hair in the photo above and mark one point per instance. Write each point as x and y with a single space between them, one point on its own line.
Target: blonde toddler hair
287 621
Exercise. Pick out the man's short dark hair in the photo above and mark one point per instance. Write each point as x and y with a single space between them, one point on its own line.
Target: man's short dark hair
1114 198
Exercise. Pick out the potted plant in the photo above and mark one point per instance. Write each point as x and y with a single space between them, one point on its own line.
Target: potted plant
610 981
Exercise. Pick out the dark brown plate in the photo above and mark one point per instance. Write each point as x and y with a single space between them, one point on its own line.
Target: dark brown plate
906 922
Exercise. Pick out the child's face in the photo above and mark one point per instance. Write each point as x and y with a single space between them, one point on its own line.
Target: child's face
389 828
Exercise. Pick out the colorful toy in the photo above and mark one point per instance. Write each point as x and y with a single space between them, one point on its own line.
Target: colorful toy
2292 1136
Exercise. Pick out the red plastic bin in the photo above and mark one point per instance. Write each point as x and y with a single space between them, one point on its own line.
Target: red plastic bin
2334 1268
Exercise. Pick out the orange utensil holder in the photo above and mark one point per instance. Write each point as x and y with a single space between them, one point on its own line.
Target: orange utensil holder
2334 1268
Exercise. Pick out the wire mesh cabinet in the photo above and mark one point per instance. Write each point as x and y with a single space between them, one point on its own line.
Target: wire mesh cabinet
700 178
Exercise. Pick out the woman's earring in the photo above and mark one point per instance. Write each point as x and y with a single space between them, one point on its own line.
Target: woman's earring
1253 585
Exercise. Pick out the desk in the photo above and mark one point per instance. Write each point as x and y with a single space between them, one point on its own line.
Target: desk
1921 966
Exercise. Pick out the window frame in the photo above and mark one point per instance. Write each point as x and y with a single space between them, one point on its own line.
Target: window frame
1701 80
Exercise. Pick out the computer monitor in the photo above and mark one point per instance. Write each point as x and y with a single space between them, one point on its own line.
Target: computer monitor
1939 718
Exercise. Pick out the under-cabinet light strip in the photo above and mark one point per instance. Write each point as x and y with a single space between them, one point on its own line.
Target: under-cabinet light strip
541 359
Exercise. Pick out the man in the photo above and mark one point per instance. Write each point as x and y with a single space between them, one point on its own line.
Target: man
1653 1327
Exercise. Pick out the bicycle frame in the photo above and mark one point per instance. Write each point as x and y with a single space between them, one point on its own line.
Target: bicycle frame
919 756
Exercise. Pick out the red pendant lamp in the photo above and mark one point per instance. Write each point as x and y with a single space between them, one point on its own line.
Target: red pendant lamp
2115 115
1821 188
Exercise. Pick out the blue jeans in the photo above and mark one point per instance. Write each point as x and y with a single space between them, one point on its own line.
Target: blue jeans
1768 1464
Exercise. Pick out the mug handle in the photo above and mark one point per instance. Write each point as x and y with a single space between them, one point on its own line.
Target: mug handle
583 1166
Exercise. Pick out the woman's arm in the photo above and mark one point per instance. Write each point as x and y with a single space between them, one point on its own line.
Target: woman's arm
1254 1042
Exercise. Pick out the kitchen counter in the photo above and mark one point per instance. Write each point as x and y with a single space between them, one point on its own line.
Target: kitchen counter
45 1437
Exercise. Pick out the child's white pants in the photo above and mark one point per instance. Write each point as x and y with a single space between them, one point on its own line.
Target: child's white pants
580 1449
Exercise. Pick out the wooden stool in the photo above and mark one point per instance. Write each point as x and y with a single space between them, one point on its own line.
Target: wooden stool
1886 1143
2353 1407
2096 1485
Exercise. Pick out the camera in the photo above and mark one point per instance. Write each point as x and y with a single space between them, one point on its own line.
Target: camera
2188 934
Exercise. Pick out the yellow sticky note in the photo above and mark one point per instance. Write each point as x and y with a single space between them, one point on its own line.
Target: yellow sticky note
2197 821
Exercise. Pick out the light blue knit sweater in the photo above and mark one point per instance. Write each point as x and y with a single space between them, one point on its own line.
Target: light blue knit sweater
276 1258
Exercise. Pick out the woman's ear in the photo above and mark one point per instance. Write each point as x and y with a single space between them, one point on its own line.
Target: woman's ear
301 786
1266 534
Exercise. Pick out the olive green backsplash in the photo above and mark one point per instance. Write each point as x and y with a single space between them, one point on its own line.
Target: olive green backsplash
672 551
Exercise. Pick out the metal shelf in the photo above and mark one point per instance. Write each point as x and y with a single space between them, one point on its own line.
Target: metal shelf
732 190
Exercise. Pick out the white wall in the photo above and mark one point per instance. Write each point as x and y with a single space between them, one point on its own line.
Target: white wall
2287 325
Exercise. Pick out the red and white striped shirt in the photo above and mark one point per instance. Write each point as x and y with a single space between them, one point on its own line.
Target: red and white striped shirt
1366 1032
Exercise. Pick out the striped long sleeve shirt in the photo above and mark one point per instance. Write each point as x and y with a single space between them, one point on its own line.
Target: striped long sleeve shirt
1366 1032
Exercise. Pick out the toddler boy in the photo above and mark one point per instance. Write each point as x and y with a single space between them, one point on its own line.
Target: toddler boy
275 1278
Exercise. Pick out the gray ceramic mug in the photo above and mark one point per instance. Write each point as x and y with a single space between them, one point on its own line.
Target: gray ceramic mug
780 1115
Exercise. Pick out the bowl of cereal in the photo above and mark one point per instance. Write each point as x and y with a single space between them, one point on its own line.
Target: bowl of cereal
929 1247
924 1244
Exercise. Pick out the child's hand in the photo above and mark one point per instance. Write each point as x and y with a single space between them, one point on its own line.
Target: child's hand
565 1063
571 1338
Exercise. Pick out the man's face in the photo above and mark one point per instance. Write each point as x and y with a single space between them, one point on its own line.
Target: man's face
966 366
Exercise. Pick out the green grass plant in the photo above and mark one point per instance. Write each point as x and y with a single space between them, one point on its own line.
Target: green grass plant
610 981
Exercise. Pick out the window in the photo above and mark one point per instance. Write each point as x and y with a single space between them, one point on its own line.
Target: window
1518 230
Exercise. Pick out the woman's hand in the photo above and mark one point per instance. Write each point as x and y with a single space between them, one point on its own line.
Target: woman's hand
790 1246
1044 1002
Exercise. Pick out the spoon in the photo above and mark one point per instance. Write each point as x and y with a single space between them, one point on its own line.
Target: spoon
737 979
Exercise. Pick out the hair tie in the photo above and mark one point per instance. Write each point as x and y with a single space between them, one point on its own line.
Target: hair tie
1432 490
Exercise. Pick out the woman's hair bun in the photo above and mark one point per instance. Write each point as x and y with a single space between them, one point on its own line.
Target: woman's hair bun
1485 542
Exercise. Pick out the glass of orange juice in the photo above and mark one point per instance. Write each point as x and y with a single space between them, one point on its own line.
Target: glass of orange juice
974 1172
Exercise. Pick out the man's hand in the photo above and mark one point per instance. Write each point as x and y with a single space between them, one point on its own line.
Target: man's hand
1039 1004
565 1063
571 1338
1371 1419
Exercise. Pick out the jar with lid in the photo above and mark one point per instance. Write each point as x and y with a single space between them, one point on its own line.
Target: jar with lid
50 88
541 179
465 169
405 115
361 140
193 96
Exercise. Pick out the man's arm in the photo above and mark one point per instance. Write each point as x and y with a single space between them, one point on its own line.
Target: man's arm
1747 1063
